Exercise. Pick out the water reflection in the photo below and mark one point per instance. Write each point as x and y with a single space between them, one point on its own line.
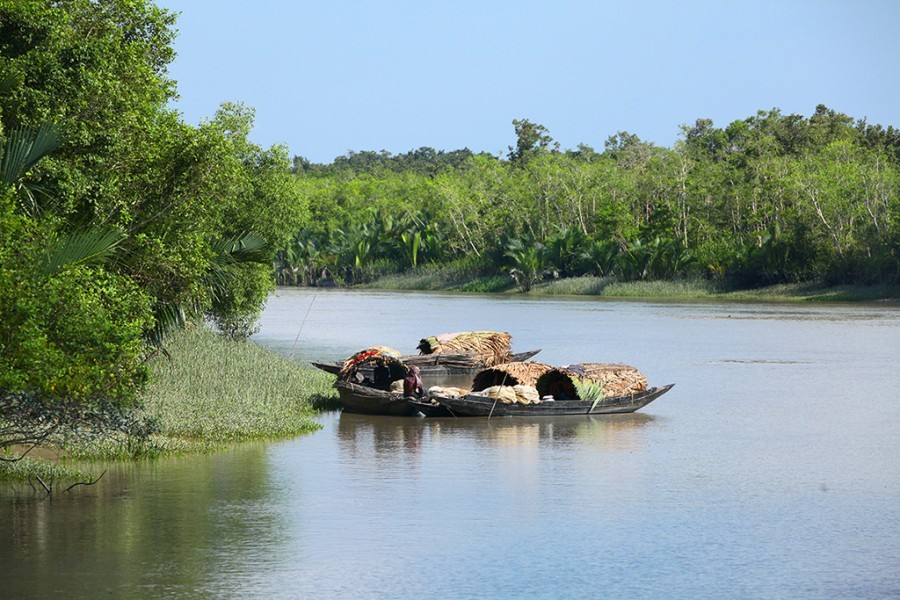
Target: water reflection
761 361
766 312
188 517
364 436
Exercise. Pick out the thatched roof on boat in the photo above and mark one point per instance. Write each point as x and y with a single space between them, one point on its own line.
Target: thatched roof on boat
509 374
615 379
374 355
491 346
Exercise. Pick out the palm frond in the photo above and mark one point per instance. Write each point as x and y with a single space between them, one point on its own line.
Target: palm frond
6 81
246 247
24 147
91 246
167 318
227 252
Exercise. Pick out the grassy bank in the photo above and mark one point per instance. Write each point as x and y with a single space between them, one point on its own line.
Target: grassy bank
465 280
205 392
442 278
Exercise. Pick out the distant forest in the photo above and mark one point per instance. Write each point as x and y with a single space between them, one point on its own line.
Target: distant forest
768 199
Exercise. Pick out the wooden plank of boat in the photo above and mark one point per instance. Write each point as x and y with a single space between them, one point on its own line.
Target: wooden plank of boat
431 365
464 362
482 406
333 367
370 401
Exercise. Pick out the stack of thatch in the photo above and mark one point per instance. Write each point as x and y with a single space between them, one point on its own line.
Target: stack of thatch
490 347
614 380
511 373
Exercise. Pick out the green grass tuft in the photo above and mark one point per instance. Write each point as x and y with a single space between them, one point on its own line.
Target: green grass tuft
612 288
210 391
574 286
817 292
459 276
465 277
488 284
687 288
27 469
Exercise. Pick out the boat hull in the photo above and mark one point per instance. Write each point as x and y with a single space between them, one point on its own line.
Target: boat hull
369 401
430 408
483 406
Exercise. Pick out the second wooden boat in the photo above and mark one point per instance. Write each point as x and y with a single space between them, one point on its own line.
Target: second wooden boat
476 405
433 365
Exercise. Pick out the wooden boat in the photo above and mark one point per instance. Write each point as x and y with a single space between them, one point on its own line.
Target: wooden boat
365 389
363 399
474 405
433 365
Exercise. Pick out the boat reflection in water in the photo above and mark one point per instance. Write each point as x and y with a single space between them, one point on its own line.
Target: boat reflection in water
373 436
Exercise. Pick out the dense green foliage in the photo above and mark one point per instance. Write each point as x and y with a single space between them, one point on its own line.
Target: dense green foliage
118 221
769 199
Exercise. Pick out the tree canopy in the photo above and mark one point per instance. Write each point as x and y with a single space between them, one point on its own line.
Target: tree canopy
131 221
771 198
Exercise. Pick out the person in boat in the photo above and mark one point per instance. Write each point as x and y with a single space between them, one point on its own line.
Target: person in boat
381 375
412 383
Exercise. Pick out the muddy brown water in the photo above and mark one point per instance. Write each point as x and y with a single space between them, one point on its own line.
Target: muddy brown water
771 470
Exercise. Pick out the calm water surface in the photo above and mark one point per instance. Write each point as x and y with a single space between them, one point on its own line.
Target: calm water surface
771 470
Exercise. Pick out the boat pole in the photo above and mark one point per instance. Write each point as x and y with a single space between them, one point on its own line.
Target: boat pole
302 323
490 414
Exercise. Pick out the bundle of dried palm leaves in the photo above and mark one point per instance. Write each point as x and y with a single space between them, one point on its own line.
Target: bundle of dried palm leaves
512 373
491 347
612 379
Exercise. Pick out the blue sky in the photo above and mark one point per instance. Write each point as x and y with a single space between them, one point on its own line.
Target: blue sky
331 76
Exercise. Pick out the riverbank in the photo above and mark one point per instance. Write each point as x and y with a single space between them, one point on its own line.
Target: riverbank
204 393
461 280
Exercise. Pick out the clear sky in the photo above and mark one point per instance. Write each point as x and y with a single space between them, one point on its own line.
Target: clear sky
329 76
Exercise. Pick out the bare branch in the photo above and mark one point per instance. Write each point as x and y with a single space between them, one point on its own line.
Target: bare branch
47 488
77 483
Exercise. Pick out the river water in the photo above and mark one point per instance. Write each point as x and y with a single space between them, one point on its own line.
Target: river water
771 470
